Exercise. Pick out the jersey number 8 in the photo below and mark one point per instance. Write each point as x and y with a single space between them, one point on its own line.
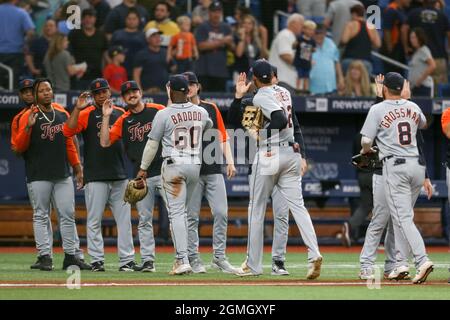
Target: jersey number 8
404 133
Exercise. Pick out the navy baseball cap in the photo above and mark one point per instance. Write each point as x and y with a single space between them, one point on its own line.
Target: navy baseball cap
191 77
394 81
275 71
115 50
129 85
215 6
262 69
26 83
179 82
99 84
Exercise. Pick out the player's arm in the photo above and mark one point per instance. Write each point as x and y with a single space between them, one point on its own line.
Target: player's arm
369 131
271 111
445 123
107 136
225 145
26 124
151 147
78 120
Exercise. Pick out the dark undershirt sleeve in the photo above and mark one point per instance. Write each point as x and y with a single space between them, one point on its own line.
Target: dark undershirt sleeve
298 136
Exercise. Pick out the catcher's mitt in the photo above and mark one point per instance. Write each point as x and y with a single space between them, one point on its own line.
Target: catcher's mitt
368 161
253 118
136 191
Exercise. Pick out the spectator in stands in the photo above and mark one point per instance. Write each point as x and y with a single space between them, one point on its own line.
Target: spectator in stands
175 11
304 48
117 16
17 27
421 65
249 46
357 81
89 45
130 38
183 47
394 17
162 22
326 73
151 71
241 12
312 8
59 64
38 47
282 52
102 9
213 38
437 28
337 17
114 72
200 13
359 38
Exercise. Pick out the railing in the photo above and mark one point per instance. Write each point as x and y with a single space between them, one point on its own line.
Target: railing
10 75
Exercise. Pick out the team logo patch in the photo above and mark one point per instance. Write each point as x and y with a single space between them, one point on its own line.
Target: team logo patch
138 132
27 82
128 85
97 85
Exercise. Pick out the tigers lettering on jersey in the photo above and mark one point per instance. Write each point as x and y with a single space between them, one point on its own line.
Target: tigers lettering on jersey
139 131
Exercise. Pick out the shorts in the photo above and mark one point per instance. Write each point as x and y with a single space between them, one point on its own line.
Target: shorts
303 73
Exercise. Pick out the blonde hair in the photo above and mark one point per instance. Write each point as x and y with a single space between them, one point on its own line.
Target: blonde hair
256 37
366 89
183 19
310 25
56 45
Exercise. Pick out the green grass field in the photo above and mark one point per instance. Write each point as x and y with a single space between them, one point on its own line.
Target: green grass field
338 281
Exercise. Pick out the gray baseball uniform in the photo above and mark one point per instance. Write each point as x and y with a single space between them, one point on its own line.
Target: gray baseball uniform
394 123
180 129
276 164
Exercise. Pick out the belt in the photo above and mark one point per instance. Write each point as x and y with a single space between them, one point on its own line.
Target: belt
386 158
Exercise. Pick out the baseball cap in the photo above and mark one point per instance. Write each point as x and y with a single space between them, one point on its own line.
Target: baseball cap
179 82
115 50
88 12
262 69
275 71
191 77
99 84
151 32
215 6
394 81
26 83
128 85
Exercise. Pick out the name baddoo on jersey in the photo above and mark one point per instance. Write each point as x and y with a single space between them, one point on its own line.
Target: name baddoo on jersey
391 116
186 116
138 132
49 131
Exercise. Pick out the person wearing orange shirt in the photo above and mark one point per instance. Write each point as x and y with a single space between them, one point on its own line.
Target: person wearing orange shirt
183 47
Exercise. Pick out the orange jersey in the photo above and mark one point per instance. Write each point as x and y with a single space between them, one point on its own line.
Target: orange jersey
15 127
445 119
183 44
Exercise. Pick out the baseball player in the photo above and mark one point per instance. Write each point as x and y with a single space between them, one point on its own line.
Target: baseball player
211 185
279 206
105 177
394 123
179 128
277 163
380 213
47 154
132 127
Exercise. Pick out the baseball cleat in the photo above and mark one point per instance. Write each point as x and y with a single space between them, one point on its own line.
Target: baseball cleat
43 263
422 272
314 269
98 266
129 267
366 274
197 265
399 273
346 240
245 271
278 268
72 260
147 266
223 264
180 268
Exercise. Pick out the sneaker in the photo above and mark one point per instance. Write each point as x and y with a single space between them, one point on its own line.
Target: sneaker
422 272
197 265
43 263
180 268
244 271
366 274
346 240
278 268
72 260
147 266
399 273
223 264
98 266
314 269
386 277
129 267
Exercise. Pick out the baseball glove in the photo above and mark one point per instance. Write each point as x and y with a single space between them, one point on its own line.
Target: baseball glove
136 191
252 118
368 161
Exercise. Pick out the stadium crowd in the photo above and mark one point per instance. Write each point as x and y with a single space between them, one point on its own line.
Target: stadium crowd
325 47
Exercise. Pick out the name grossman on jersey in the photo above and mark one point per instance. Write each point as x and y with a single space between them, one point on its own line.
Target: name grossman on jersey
399 113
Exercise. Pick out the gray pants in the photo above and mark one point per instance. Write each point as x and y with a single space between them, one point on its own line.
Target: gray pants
403 183
281 225
280 170
98 194
380 219
145 228
62 194
178 184
212 186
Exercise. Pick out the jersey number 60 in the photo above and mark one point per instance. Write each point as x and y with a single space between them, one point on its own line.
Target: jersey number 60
187 137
